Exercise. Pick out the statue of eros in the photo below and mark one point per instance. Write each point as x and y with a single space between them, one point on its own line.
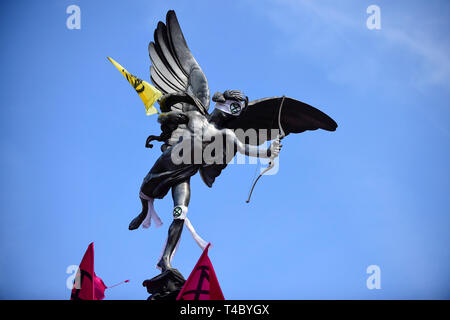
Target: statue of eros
197 141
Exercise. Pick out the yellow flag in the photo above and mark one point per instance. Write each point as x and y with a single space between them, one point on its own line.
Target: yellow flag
148 93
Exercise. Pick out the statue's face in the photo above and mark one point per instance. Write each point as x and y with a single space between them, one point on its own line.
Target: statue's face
232 107
235 108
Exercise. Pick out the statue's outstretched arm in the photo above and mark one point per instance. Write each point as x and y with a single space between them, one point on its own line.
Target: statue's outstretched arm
251 150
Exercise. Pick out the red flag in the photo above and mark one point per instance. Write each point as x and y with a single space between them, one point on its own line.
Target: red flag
87 285
202 283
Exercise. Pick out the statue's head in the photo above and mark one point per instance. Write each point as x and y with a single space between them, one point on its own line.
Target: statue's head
229 105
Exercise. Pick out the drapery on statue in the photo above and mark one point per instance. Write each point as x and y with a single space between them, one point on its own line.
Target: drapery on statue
185 120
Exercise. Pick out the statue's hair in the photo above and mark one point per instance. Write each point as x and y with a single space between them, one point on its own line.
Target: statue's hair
230 95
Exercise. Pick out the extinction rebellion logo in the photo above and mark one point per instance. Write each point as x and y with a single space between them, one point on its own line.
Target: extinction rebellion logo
177 212
235 108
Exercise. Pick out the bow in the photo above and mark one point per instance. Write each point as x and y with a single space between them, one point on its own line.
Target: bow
280 136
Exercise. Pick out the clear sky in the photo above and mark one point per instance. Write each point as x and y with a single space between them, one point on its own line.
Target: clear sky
375 192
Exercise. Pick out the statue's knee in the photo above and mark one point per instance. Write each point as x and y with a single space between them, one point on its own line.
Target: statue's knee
180 212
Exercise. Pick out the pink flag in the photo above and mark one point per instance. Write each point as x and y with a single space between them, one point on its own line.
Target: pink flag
87 285
99 288
202 283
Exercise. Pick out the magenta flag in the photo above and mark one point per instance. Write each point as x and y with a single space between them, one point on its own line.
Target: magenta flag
87 285
202 283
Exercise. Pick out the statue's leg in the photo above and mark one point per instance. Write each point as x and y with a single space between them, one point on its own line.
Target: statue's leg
136 222
181 195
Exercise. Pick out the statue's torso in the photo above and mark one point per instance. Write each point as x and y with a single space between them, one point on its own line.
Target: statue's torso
198 129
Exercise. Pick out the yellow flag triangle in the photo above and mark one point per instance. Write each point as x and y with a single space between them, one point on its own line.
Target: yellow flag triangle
148 93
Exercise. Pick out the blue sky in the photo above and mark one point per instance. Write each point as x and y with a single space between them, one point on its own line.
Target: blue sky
375 192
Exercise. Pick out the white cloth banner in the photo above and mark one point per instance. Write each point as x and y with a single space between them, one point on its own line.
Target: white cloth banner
151 213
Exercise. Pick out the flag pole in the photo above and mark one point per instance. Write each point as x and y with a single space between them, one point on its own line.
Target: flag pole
117 284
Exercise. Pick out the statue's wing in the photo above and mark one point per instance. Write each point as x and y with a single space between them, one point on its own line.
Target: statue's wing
174 69
295 117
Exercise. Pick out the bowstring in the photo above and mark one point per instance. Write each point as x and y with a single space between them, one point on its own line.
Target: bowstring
282 135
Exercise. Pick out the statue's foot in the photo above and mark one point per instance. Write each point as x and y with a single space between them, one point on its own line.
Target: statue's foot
164 265
136 222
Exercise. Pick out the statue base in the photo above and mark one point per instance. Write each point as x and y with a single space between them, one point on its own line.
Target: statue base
165 286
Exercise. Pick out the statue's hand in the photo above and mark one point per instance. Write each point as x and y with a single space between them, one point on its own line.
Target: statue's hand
181 118
150 139
275 148
173 117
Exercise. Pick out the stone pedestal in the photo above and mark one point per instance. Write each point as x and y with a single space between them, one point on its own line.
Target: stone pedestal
165 286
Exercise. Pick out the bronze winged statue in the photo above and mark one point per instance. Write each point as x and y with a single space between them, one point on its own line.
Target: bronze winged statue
185 121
